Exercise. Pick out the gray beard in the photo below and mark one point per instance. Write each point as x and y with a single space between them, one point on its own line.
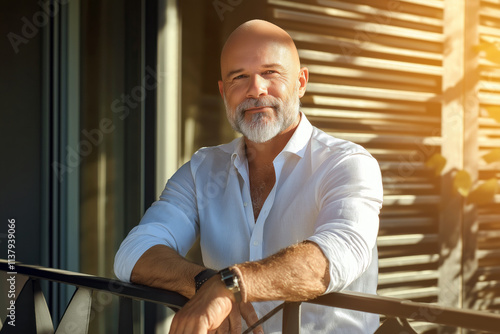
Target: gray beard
262 129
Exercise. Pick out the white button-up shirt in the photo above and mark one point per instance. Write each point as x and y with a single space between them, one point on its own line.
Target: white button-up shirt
327 190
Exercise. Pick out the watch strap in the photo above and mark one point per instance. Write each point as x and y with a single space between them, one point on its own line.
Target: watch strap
241 283
202 277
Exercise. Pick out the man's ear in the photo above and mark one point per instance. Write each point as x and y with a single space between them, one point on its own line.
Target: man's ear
303 79
221 88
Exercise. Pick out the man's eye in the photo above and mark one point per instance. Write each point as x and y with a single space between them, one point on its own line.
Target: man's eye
241 76
270 72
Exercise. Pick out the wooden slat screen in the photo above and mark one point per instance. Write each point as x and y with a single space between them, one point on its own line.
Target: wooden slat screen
376 78
487 286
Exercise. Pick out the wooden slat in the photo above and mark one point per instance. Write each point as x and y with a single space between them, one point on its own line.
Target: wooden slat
490 72
489 133
410 293
389 154
408 260
487 63
484 235
491 86
395 165
336 113
414 222
427 3
374 27
364 104
376 63
369 92
366 138
489 218
483 273
355 46
489 98
488 142
489 31
488 121
411 199
408 186
490 11
325 10
357 75
407 276
374 12
406 239
483 254
487 285
377 126
492 2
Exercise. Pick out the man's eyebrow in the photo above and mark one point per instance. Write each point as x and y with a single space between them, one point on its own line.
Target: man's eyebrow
233 72
273 65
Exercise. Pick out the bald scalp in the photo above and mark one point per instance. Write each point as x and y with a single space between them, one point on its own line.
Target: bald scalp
258 33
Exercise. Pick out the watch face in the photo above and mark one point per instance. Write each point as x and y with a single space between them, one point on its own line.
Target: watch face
229 279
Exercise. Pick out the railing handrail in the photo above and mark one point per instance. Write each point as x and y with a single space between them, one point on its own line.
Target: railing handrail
406 309
116 287
392 307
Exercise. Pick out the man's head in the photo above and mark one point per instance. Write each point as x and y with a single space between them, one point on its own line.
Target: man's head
262 81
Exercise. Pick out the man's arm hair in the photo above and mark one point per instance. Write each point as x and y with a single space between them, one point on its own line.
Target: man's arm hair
296 273
161 267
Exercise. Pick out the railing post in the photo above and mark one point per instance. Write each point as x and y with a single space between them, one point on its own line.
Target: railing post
76 318
291 318
126 316
31 314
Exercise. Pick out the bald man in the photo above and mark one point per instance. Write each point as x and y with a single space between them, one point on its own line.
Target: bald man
286 212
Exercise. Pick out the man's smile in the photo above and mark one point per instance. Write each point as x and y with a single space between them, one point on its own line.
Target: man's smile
255 110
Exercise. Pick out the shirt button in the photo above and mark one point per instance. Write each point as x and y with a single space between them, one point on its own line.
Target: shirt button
245 204
255 243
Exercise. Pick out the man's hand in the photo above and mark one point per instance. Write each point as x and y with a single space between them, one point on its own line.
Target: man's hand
232 324
213 310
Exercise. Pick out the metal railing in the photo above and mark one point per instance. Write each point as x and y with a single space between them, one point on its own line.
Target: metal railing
31 304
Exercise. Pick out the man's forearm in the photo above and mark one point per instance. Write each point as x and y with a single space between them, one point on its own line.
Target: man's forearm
297 273
161 267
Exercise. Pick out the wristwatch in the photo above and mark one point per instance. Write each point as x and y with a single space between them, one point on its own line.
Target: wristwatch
232 282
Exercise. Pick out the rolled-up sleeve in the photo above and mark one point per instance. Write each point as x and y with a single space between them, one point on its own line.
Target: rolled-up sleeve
350 198
170 221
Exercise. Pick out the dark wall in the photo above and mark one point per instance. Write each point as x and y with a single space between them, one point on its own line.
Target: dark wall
21 127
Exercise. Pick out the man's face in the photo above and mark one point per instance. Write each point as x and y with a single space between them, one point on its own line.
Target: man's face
260 86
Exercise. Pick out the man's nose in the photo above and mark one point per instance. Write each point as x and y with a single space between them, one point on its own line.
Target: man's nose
257 86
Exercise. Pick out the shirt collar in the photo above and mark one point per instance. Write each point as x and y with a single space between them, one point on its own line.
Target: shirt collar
296 145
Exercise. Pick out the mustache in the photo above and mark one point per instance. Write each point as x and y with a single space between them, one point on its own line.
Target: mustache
265 101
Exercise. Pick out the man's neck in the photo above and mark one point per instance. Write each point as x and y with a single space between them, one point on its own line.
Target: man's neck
262 154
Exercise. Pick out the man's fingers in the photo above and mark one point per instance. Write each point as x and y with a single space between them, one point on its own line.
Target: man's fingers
224 327
235 320
248 313
177 327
